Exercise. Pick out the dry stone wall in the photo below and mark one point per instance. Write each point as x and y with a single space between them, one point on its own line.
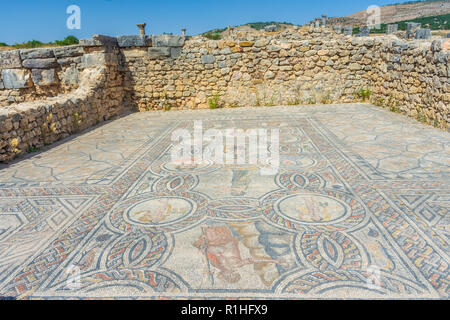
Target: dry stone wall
33 74
48 94
97 95
307 66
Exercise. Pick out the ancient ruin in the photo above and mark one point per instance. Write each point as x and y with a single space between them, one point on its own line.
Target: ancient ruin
102 77
356 208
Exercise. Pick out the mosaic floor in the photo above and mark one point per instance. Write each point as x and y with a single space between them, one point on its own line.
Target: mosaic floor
359 209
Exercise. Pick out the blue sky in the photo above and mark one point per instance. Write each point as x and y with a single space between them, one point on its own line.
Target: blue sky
45 20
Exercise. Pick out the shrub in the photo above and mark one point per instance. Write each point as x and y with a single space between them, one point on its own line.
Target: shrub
212 36
70 40
214 101
29 45
364 94
33 149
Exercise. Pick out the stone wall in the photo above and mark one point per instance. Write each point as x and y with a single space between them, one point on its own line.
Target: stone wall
97 95
34 74
413 78
306 66
65 90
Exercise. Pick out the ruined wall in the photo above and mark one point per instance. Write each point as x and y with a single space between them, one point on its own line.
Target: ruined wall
65 90
34 74
96 95
413 78
303 67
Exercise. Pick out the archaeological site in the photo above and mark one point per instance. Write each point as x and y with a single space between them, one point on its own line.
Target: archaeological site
124 170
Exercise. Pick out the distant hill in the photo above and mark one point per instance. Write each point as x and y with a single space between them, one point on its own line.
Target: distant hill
441 22
408 11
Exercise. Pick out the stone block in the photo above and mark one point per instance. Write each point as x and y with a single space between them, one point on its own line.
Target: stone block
69 60
208 59
99 41
10 59
134 41
70 76
159 52
43 77
175 53
68 51
16 78
40 63
93 60
97 59
246 43
43 53
261 43
166 40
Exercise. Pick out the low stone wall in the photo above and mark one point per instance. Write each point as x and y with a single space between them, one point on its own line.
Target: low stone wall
307 66
98 97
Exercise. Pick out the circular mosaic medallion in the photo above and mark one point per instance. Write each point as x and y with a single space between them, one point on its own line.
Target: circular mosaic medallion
159 211
312 209
326 210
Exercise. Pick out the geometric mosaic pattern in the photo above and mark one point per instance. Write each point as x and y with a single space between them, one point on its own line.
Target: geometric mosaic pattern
358 209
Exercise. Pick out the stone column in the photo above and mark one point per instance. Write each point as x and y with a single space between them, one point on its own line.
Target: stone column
141 27
324 20
183 32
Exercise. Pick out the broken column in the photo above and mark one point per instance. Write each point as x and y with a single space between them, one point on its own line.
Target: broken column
141 27
324 20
